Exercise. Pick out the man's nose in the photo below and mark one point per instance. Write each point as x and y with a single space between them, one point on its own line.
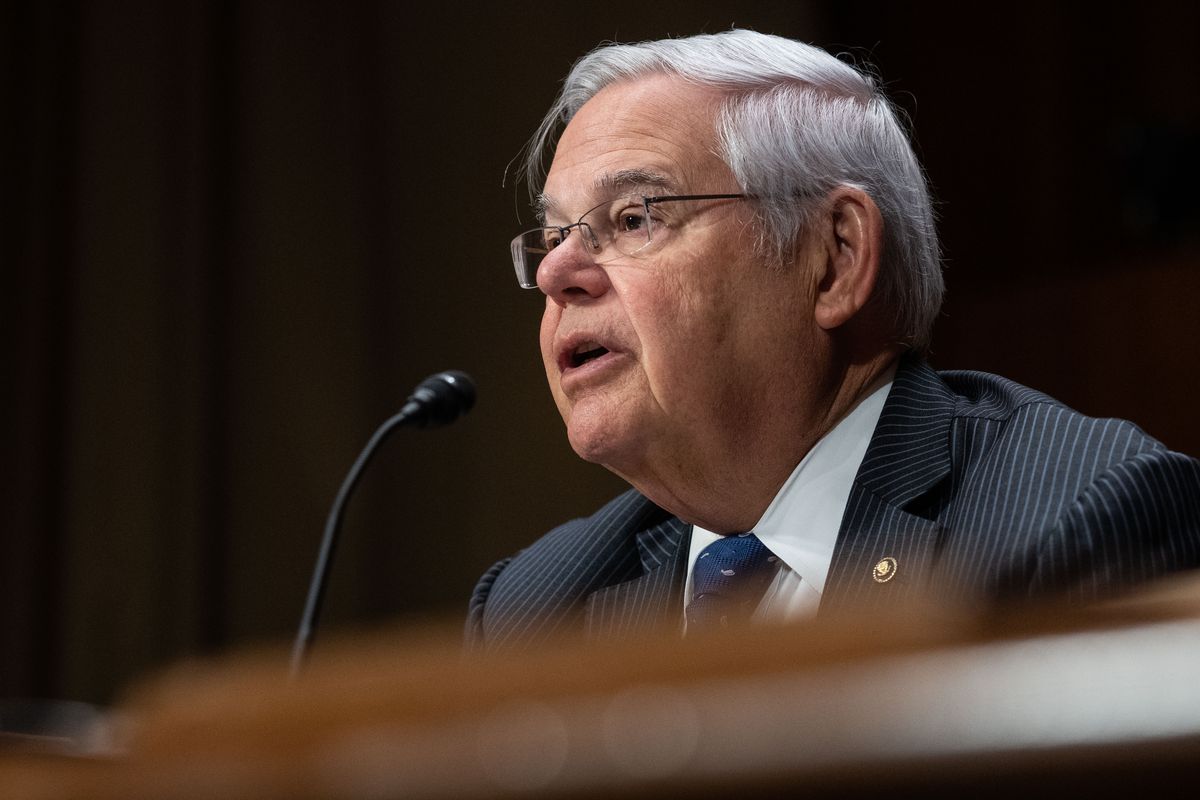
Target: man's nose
569 273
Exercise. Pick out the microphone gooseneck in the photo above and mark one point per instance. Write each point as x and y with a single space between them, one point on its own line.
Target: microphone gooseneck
438 400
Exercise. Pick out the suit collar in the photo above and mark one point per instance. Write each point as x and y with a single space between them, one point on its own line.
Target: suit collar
910 449
909 456
651 601
659 544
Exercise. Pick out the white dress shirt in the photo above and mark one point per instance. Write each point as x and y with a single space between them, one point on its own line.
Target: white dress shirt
801 524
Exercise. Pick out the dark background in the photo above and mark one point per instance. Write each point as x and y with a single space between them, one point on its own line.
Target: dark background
235 235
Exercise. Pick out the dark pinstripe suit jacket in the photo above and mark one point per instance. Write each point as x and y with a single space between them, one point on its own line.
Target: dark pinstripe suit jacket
983 491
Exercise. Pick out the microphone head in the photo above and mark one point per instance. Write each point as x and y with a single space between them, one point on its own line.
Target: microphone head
442 398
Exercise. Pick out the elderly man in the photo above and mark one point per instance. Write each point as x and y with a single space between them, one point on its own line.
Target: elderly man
741 272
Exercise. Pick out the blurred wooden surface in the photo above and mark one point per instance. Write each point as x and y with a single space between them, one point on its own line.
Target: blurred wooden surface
1040 704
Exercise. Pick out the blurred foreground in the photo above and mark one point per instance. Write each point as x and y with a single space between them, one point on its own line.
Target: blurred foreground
1085 702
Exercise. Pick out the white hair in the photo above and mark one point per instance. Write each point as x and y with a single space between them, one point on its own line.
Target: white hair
796 124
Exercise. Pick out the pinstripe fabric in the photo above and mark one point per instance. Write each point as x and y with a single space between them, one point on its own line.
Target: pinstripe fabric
982 490
612 573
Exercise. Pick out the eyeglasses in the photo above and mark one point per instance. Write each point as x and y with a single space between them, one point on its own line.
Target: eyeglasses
615 228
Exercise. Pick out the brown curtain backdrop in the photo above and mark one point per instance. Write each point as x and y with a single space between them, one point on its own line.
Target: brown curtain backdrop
235 235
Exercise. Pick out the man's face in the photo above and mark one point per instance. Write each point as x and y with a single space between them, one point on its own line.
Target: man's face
701 341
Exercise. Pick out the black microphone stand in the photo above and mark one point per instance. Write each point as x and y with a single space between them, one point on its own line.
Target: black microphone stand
438 400
333 524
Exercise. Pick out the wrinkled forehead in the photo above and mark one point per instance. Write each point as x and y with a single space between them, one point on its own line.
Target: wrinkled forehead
652 135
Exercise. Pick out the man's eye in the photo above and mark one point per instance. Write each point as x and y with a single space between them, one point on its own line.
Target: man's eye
631 221
553 238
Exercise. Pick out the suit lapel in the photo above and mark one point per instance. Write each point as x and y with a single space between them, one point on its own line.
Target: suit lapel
653 600
888 540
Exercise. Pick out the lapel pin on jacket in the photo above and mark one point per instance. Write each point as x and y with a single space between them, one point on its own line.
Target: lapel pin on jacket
885 570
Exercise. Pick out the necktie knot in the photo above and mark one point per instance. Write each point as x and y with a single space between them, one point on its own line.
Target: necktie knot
728 581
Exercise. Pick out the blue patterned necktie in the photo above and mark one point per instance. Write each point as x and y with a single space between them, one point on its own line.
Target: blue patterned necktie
728 582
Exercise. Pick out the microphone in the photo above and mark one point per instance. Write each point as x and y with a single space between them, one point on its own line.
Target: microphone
438 400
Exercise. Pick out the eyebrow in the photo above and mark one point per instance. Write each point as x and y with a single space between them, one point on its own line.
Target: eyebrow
611 183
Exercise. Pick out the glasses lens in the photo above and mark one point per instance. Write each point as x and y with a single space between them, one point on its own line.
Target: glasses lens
531 247
618 228
528 250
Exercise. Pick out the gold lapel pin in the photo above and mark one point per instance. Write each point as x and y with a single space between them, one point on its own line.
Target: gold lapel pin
885 570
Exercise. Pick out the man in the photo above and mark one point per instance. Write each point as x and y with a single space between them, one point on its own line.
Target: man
741 272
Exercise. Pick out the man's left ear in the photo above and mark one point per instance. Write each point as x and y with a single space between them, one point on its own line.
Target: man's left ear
851 246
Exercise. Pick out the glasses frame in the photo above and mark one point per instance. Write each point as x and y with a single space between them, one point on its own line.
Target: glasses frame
518 247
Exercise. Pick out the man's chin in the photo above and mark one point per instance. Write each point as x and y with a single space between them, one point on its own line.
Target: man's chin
600 444
597 450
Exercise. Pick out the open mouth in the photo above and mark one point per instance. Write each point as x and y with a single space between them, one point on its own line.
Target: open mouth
586 352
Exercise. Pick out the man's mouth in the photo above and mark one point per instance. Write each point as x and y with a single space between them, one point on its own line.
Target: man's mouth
579 352
588 351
